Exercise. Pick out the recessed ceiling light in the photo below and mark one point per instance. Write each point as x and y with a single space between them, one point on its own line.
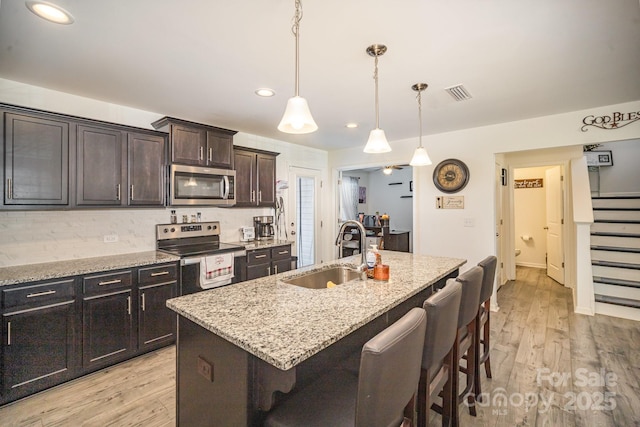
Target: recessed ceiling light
351 125
50 12
265 92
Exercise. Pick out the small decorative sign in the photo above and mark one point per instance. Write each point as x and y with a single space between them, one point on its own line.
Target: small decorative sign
599 158
614 121
528 183
450 202
362 194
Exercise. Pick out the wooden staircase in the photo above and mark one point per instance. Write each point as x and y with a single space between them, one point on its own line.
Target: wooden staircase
615 256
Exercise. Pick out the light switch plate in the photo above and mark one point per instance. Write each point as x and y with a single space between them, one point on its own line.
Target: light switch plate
110 238
469 222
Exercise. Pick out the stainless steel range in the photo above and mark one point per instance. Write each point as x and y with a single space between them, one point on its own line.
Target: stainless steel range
205 261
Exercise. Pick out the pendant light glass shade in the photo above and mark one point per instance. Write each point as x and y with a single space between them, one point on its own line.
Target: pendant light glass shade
420 156
297 117
377 142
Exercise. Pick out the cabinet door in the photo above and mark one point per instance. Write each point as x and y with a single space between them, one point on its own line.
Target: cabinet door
258 270
245 166
146 169
188 145
36 160
157 323
101 166
266 180
38 348
107 329
219 150
281 266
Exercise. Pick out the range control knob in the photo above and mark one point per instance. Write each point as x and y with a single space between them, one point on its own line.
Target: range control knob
173 230
209 227
166 230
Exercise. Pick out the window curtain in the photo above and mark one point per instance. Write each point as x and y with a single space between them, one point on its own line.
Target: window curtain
349 198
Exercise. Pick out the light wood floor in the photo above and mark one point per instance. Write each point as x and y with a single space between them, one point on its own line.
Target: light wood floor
553 368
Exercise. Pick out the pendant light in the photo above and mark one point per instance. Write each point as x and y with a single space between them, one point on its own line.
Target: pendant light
297 118
377 142
420 156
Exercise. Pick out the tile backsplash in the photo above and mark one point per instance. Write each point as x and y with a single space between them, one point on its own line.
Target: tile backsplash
43 236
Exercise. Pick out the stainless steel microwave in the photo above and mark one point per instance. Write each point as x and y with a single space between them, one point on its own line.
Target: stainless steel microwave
194 185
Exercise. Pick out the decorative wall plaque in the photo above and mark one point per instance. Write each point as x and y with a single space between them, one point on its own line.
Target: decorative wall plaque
528 183
614 121
450 202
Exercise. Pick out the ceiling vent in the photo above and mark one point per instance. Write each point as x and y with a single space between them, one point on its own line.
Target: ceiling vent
458 92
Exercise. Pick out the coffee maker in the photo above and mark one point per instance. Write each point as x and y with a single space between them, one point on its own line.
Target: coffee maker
264 227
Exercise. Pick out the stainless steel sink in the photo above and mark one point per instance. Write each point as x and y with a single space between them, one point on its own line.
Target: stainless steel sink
320 279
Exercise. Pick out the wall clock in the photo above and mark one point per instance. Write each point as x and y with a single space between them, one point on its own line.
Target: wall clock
451 175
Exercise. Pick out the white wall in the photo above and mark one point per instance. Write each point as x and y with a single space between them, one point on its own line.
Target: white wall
626 156
42 236
530 219
443 232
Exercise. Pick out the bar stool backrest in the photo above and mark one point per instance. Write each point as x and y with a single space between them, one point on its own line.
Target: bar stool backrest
489 273
390 371
442 318
471 284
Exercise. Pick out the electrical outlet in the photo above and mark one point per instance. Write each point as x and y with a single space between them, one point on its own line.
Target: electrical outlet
110 238
205 369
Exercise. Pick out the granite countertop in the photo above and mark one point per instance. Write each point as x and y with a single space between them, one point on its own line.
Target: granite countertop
284 324
262 244
57 269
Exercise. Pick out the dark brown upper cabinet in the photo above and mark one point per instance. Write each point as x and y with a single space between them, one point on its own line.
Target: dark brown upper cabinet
198 144
255 177
36 160
146 169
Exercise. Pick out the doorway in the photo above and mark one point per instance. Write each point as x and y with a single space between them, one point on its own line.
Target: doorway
538 201
305 227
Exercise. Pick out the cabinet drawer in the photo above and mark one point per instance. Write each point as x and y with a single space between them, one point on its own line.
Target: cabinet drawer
106 282
157 274
39 294
259 256
281 252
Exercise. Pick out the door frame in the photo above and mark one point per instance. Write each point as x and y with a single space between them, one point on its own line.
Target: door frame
291 204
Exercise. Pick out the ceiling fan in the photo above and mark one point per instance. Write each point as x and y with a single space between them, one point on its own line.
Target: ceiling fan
388 170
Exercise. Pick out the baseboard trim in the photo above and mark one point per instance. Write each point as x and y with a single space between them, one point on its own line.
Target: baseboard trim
530 264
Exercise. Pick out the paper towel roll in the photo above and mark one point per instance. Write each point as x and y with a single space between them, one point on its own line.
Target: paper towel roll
525 237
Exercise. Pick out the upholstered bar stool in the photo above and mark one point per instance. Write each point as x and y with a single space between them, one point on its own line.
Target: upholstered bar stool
380 395
442 319
483 321
471 281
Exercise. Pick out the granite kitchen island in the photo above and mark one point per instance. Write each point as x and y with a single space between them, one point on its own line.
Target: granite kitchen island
239 344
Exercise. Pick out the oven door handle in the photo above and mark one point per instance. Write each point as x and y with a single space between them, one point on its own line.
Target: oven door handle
189 261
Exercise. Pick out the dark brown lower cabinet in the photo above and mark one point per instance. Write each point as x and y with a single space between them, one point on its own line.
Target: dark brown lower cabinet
107 328
156 323
39 348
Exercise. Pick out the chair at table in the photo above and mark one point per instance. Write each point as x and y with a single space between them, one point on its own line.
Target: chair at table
442 318
381 395
464 346
483 321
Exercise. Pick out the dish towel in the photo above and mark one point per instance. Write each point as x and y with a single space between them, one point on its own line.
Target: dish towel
216 270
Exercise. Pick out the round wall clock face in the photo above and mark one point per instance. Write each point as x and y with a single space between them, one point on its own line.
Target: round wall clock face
451 175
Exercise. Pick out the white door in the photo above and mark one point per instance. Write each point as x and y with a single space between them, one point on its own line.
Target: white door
555 221
499 222
305 223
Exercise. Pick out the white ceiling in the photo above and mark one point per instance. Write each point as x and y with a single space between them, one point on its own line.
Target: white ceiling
202 60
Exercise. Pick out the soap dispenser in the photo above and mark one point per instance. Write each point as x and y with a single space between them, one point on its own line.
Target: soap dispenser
372 256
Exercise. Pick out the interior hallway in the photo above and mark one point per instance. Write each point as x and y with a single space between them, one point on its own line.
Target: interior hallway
554 367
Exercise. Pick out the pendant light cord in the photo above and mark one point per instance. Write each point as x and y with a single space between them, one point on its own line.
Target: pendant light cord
420 115
375 78
295 29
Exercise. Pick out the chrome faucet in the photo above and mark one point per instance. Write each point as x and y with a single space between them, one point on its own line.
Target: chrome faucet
362 268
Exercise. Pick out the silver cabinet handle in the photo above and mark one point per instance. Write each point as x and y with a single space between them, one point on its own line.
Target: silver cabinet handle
160 273
260 256
275 268
129 305
268 271
210 154
283 252
9 189
118 192
201 153
41 294
110 282
260 196
253 196
8 333
131 191
143 301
